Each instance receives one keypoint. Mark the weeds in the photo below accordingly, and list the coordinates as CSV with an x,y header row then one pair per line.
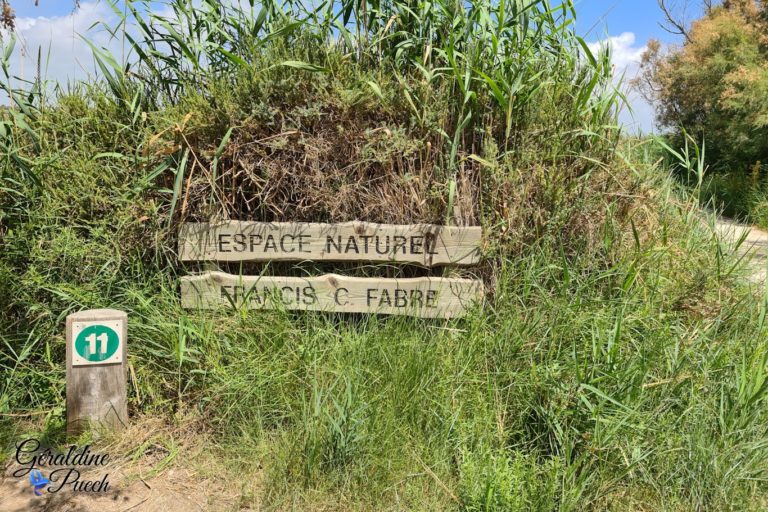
x,y
616,366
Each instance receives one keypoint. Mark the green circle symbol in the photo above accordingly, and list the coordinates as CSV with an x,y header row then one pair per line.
x,y
97,343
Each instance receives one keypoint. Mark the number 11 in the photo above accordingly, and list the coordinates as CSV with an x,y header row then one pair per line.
x,y
92,339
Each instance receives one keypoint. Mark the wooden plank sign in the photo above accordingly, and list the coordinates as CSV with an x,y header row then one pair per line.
x,y
428,297
424,244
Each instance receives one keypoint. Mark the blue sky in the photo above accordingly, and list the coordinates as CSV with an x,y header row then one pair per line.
x,y
626,25
613,17
638,16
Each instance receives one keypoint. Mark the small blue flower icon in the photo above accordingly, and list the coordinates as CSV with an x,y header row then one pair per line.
x,y
38,481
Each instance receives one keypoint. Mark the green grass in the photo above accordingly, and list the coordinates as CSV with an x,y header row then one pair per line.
x,y
619,363
739,195
641,384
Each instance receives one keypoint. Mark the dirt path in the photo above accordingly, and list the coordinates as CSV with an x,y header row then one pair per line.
x,y
754,246
174,490
144,475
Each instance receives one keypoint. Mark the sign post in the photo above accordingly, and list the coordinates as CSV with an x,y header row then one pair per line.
x,y
96,370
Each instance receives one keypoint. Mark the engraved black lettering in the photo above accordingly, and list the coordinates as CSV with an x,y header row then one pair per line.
x,y
239,239
329,241
223,242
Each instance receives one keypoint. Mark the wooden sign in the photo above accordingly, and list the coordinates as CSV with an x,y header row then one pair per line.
x,y
96,370
429,297
425,244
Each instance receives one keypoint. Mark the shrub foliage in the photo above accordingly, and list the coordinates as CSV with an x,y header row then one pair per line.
x,y
618,365
716,85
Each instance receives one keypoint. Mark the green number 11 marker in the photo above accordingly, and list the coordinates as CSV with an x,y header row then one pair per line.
x,y
97,343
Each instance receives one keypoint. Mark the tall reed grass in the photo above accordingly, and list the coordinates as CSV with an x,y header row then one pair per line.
x,y
620,363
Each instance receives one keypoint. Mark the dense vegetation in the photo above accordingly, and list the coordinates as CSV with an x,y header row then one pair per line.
x,y
618,363
715,88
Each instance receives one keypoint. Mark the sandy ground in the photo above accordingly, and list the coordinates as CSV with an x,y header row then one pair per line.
x,y
171,491
754,246
144,475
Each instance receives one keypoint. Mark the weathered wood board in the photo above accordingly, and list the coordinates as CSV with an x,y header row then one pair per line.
x,y
428,297
96,379
424,244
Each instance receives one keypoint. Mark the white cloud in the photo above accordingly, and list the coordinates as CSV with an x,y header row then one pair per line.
x,y
625,56
624,53
64,56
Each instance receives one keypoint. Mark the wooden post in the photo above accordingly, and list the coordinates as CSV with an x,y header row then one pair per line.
x,y
96,370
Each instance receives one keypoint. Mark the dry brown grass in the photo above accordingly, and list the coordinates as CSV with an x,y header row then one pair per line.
x,y
323,164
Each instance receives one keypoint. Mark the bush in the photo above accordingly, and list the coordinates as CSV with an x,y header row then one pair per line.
x,y
738,195
715,85
509,482
618,363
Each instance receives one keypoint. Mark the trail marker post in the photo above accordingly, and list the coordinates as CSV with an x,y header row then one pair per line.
x,y
96,370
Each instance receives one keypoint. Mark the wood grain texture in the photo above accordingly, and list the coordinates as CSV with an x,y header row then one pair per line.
x,y
428,297
423,244
96,395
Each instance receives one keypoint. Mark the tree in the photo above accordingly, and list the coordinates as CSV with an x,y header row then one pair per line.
x,y
716,84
